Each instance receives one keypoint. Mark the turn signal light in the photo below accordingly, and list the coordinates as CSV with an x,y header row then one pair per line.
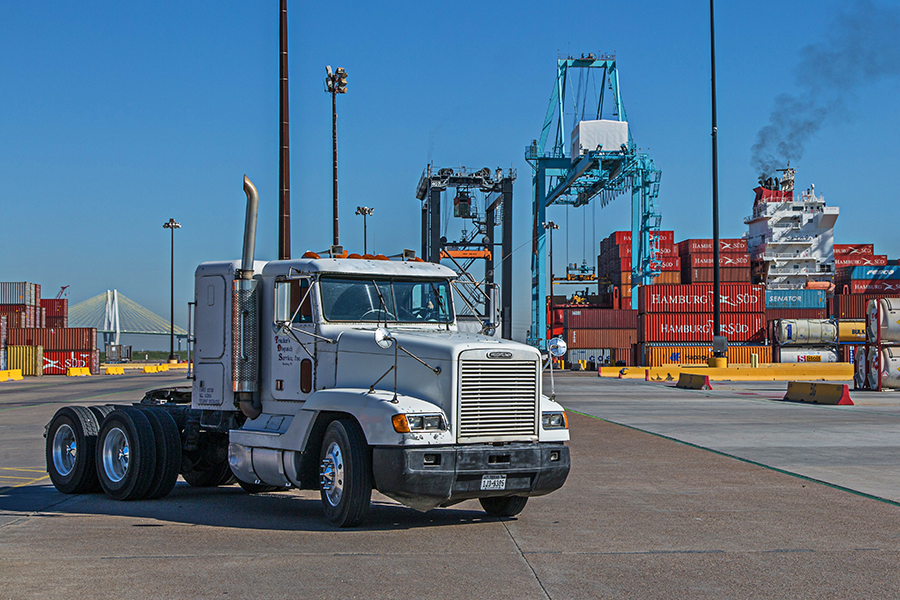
x,y
401,425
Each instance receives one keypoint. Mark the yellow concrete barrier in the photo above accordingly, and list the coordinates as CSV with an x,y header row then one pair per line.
x,y
693,381
819,393
151,369
11,375
162,368
115,370
78,372
183,365
765,372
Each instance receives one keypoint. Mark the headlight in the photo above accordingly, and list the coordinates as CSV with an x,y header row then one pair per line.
x,y
408,423
554,420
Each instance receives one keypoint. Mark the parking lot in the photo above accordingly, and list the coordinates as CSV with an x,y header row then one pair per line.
x,y
672,494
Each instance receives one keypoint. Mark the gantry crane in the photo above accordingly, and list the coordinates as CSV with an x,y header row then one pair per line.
x,y
605,172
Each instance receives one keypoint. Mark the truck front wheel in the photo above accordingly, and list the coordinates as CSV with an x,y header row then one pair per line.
x,y
509,506
345,474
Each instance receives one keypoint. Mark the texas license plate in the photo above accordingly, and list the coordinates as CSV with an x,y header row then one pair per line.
x,y
493,482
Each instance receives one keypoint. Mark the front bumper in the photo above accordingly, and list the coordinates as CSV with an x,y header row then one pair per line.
x,y
430,476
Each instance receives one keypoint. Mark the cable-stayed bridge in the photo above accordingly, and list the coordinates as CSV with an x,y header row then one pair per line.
x,y
113,314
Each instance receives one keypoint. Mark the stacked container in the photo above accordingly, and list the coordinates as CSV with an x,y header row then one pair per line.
x,y
62,347
878,362
857,255
57,312
3,328
866,280
698,261
614,263
600,336
679,320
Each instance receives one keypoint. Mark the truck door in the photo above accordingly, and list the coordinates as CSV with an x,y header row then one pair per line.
x,y
292,365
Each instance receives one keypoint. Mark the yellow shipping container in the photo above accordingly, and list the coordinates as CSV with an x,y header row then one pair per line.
x,y
28,358
851,331
657,356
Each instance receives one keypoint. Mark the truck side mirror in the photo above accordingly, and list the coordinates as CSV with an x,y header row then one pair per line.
x,y
383,338
557,347
282,303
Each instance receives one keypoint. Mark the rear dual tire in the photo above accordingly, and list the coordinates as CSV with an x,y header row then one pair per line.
x,y
126,454
71,445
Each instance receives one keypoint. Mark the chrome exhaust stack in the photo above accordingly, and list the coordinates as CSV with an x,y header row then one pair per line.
x,y
245,317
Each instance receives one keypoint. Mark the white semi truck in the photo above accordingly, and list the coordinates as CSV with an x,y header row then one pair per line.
x,y
338,374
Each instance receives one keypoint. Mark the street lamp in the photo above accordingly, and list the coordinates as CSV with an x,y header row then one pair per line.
x,y
550,226
365,211
335,83
173,358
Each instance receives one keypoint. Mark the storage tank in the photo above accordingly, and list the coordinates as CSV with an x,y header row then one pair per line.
x,y
873,366
890,368
860,371
805,332
851,332
883,313
808,354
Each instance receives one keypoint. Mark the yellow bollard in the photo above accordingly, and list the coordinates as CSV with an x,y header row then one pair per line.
x,y
754,361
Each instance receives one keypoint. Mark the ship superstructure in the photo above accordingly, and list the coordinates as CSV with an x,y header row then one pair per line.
x,y
791,239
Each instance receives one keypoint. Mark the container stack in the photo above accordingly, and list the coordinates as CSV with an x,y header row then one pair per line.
x,y
675,323
883,279
35,336
614,263
857,255
698,261
600,336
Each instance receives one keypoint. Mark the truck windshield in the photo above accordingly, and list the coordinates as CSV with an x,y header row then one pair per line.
x,y
386,299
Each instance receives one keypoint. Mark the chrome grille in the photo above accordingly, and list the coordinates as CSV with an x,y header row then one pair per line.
x,y
497,399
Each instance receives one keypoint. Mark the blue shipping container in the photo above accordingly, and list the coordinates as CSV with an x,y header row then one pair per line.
x,y
795,299
875,273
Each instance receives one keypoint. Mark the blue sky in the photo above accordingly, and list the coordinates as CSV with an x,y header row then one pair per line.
x,y
118,116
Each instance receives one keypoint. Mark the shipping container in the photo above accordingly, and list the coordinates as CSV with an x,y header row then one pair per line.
x,y
598,356
600,338
623,265
774,314
697,298
624,278
698,327
618,252
3,364
600,318
656,356
72,338
619,238
707,261
28,294
857,260
701,246
731,275
28,358
58,362
4,324
854,249
789,299
622,357
886,273
56,307
882,286
55,322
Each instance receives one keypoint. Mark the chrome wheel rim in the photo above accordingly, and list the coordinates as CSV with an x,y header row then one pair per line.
x,y
65,450
116,455
331,474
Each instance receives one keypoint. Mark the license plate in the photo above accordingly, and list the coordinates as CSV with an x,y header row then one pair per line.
x,y
493,482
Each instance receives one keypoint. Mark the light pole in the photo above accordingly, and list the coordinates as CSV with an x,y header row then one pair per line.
x,y
335,83
550,226
365,211
172,225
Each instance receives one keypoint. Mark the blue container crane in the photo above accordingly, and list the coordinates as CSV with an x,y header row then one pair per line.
x,y
594,172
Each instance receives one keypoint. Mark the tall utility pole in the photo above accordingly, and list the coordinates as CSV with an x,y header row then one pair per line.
x,y
284,157
172,225
366,212
335,83
718,342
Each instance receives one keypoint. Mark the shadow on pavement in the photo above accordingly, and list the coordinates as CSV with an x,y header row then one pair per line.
x,y
227,506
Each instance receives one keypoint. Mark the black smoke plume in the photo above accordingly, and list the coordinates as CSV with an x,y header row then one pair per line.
x,y
861,47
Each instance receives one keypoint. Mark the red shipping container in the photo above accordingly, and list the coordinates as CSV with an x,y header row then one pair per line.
x,y
600,318
56,322
707,261
57,362
738,275
852,307
732,245
77,338
619,238
854,249
859,260
773,314
56,307
624,251
600,338
880,286
20,315
625,355
734,297
698,327
623,265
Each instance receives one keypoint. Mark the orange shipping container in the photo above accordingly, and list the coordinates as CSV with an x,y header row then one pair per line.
x,y
601,338
656,356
